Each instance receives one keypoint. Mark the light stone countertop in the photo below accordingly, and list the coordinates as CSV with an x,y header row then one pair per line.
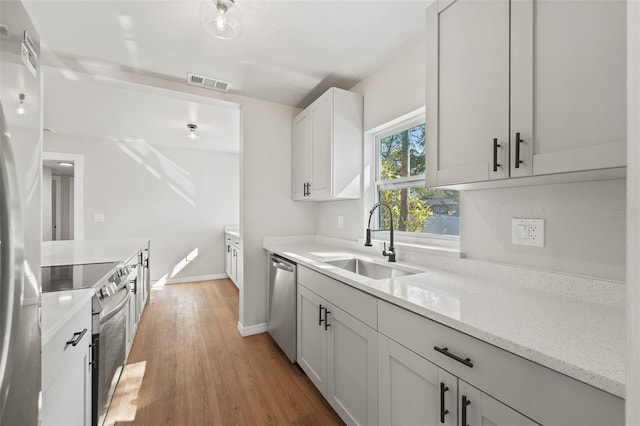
x,y
76,252
59,307
581,339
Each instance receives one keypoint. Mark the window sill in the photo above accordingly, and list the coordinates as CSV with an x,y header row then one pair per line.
x,y
444,245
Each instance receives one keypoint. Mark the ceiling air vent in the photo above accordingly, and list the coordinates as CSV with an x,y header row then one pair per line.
x,y
208,82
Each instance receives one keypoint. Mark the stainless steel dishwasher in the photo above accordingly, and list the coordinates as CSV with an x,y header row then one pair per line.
x,y
282,304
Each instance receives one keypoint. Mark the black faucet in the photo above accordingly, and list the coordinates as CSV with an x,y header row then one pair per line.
x,y
391,253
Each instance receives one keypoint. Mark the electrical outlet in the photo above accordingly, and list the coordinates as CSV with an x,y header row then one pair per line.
x,y
98,217
340,222
527,232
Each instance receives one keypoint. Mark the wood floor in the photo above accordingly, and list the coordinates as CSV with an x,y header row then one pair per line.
x,y
189,366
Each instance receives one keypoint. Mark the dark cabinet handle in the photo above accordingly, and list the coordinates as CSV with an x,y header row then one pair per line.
x,y
443,411
518,142
320,314
496,145
308,188
77,337
326,322
465,403
445,351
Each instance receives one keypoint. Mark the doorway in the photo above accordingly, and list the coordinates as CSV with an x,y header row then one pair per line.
x,y
62,196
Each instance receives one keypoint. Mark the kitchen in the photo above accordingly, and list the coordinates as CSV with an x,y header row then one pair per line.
x,y
265,207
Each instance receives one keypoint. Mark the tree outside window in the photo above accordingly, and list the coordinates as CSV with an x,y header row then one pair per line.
x,y
401,185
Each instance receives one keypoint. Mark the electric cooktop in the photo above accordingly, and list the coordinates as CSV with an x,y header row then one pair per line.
x,y
71,277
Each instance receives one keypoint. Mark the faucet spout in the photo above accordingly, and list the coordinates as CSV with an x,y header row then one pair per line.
x,y
391,253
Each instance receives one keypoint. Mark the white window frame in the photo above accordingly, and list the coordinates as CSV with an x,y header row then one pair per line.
x,y
407,121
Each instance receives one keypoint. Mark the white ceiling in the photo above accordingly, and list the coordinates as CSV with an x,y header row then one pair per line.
x,y
289,51
109,110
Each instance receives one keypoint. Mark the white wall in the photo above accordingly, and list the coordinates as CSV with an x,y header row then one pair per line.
x,y
582,238
180,198
47,226
266,205
633,216
584,227
394,90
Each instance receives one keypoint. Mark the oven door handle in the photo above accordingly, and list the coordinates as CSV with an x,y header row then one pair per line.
x,y
111,313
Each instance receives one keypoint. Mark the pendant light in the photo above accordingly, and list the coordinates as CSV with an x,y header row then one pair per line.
x,y
220,18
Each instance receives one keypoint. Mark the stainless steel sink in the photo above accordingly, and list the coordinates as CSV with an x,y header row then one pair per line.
x,y
372,270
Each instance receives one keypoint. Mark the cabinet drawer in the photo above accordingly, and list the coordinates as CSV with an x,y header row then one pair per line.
x,y
544,395
349,299
57,353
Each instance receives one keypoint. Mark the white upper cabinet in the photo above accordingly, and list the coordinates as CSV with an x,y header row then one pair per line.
x,y
327,148
525,88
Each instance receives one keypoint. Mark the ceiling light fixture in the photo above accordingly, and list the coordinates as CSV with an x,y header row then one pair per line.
x,y
220,18
192,131
21,109
65,164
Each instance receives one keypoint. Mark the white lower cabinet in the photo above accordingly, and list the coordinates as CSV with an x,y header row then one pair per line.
x,y
378,363
66,373
233,264
414,391
339,354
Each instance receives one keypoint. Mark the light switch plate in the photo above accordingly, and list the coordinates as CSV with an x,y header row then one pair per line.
x,y
98,217
527,232
340,222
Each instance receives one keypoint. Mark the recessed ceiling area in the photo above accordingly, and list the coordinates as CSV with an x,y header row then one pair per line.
x,y
116,111
289,52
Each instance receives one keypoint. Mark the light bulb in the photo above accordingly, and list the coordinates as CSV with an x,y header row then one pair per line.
x,y
221,22
21,109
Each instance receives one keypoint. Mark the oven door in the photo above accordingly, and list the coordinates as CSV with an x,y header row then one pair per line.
x,y
112,349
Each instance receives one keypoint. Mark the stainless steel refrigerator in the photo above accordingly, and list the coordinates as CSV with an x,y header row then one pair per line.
x,y
20,210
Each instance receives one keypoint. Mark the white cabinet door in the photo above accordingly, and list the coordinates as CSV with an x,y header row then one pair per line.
x,y
312,342
301,155
227,263
568,75
412,390
352,364
327,148
478,408
66,373
320,113
234,265
467,99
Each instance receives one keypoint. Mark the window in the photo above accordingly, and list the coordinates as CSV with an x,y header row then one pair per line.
x,y
400,184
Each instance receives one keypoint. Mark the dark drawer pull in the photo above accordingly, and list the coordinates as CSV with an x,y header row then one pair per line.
x,y
326,321
77,337
443,410
518,142
320,320
445,351
465,403
496,145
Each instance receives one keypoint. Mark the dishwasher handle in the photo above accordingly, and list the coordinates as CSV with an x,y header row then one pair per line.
x,y
279,264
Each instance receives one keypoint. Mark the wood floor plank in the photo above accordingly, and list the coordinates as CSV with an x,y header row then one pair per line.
x,y
199,371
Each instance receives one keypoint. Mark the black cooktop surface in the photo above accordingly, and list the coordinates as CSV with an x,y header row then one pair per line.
x,y
70,277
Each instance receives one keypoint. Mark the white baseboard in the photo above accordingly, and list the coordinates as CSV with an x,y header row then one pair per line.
x,y
196,278
252,329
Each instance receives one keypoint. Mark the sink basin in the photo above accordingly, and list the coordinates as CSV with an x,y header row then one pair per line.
x,y
371,270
